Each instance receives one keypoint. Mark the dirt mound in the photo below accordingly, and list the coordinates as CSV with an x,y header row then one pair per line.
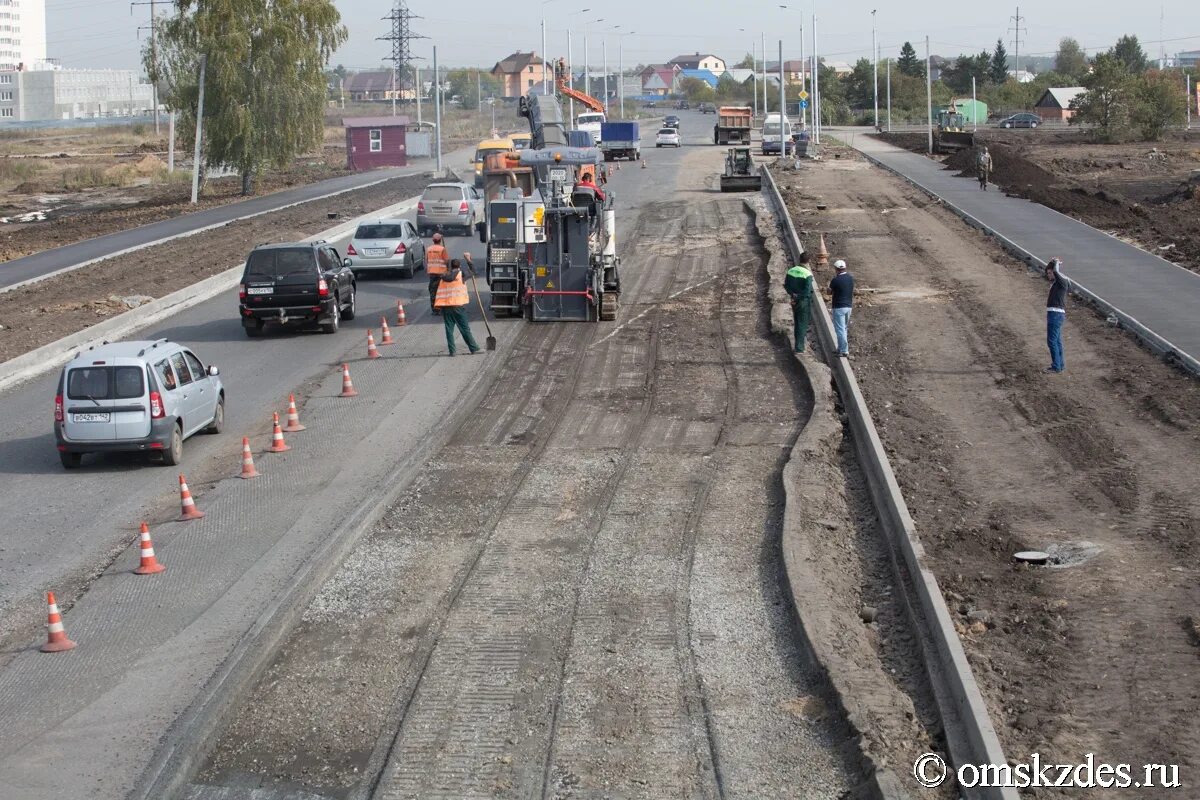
x,y
150,165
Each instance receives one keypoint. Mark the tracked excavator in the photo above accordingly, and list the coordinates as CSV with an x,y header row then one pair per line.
x,y
551,243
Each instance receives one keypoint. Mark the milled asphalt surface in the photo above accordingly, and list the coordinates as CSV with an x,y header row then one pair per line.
x,y
48,261
1160,295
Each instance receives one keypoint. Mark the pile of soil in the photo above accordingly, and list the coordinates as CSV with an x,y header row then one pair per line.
x,y
1143,206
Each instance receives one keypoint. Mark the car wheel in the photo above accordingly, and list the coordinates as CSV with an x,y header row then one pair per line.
x,y
218,422
70,460
335,319
352,306
658,145
254,331
410,268
1006,125
1033,124
173,454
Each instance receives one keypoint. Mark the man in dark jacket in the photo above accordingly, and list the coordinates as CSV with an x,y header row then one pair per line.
x,y
798,284
1056,313
841,290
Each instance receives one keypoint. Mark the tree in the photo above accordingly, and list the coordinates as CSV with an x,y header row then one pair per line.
x,y
998,69
1130,53
858,85
1070,59
958,76
729,89
466,83
265,85
1159,103
908,63
747,62
696,90
1105,104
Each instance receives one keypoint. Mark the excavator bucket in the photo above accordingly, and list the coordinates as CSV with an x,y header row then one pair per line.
x,y
740,174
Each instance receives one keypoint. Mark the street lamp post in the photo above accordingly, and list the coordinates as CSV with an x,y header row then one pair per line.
x,y
571,66
875,68
803,79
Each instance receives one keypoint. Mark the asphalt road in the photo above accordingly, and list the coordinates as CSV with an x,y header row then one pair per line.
x,y
49,261
71,532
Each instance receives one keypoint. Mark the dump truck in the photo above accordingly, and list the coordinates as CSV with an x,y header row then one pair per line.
x,y
740,174
733,125
620,140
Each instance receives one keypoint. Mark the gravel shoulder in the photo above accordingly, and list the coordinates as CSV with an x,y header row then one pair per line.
x,y
42,312
1097,653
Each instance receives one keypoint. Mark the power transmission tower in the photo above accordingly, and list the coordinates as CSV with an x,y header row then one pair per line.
x,y
1016,30
401,38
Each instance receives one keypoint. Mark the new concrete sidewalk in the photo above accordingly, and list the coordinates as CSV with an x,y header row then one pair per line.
x,y
1146,291
47,262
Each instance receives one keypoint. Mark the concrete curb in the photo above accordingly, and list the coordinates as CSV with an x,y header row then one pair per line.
x,y
821,432
1157,344
35,362
190,738
970,735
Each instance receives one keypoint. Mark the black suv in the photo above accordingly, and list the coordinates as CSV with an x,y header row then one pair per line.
x,y
299,283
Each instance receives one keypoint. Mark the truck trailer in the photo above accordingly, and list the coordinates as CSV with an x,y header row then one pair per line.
x,y
620,140
733,125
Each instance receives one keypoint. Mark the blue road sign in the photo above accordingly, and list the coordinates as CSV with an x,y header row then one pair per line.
x,y
804,104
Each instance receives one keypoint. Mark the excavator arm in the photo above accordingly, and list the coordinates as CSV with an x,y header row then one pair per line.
x,y
560,80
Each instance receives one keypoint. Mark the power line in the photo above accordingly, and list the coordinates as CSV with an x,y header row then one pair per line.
x,y
1016,30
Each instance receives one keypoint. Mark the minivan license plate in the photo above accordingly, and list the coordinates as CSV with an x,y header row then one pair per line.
x,y
90,417
260,290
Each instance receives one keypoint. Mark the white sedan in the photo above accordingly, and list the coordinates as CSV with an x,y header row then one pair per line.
x,y
668,136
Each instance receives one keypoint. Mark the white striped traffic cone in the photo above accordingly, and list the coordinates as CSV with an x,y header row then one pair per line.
x,y
56,636
293,417
400,318
248,470
347,386
188,505
372,350
278,445
386,336
149,564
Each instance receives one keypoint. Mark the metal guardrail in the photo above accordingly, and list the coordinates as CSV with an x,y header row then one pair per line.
x,y
970,736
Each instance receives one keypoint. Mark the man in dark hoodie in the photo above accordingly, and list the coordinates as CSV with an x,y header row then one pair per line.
x,y
1056,313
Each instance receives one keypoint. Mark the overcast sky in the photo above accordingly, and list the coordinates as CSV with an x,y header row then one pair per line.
x,y
103,33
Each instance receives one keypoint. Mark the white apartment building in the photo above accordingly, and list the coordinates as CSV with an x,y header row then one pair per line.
x,y
51,94
22,33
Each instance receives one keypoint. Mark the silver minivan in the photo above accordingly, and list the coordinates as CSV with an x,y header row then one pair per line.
x,y
135,396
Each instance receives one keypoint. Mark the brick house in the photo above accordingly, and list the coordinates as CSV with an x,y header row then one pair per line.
x,y
521,72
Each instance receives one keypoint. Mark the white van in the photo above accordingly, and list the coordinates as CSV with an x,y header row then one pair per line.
x,y
590,122
771,139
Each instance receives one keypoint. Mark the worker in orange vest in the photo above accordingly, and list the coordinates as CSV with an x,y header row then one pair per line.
x,y
452,299
436,259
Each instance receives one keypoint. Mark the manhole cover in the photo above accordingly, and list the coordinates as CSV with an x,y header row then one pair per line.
x,y
1032,556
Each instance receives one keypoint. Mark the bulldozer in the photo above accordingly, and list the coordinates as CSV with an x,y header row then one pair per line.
x,y
952,134
740,175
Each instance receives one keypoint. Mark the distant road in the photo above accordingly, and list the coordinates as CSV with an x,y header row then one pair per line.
x,y
49,261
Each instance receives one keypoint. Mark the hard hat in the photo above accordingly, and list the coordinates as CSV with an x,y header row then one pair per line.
x,y
839,264
437,238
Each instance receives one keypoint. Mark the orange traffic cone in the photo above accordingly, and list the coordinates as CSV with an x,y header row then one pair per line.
x,y
278,445
822,253
248,470
400,320
149,564
56,637
386,338
293,417
347,386
372,350
185,499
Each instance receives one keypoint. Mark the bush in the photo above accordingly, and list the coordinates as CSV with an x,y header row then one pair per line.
x,y
1159,103
17,170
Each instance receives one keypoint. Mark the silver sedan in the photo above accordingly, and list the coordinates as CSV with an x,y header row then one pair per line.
x,y
386,244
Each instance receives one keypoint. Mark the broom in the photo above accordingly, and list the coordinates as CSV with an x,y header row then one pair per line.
x,y
491,340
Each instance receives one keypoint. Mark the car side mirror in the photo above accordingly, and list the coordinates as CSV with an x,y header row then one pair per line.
x,y
213,371
348,262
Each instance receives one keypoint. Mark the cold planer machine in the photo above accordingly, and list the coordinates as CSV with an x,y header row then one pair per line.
x,y
552,250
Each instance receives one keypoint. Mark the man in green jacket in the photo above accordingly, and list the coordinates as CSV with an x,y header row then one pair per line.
x,y
798,284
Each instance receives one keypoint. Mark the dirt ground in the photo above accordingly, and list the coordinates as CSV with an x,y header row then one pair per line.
x,y
1097,653
1146,193
59,306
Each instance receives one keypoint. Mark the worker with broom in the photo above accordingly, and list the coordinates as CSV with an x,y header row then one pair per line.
x,y
452,299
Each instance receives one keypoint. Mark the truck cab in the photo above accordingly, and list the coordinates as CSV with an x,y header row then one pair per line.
x,y
591,122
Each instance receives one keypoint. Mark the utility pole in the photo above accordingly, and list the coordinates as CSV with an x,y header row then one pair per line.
x,y
974,115
420,89
437,108
153,56
1016,30
754,67
889,93
604,51
621,75
401,37
171,142
816,98
479,92
783,124
928,96
875,68
570,82
1187,92
545,88
199,133
764,73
